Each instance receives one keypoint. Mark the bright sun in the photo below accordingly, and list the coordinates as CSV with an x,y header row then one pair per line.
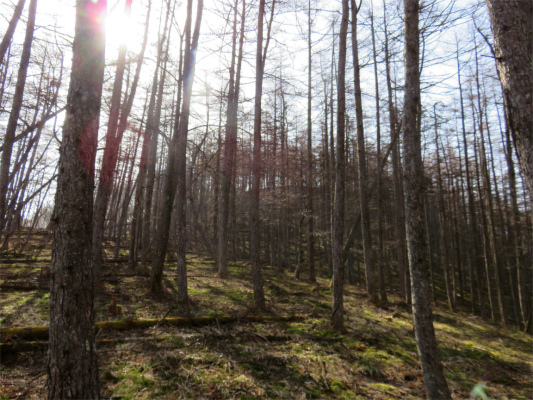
x,y
118,26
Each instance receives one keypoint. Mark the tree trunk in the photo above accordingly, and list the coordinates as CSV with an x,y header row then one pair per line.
x,y
115,131
399,214
513,41
310,173
443,243
257,278
379,193
436,386
152,131
363,175
230,145
9,137
337,317
175,178
109,160
72,363
8,36
476,266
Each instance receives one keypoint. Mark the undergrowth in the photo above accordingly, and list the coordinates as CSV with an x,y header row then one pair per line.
x,y
375,359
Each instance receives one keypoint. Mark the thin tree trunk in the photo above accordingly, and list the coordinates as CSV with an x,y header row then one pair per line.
x,y
476,266
443,244
363,175
135,230
337,317
175,178
436,386
516,235
310,172
484,224
12,122
399,214
8,36
115,131
257,278
126,201
152,131
230,145
379,193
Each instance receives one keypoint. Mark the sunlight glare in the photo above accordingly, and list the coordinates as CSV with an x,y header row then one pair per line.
x,y
119,26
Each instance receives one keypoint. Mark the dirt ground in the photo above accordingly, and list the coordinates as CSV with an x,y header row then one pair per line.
x,y
375,359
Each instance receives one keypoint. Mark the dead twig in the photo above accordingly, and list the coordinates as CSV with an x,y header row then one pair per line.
x,y
164,317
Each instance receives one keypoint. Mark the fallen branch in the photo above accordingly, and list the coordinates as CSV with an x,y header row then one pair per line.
x,y
41,332
21,346
11,261
23,287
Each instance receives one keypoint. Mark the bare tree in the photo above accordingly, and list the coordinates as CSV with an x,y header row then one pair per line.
x,y
337,317
436,386
513,42
175,178
9,137
72,363
310,172
110,156
361,162
257,278
230,144
8,36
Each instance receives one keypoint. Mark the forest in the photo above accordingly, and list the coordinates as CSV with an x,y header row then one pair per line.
x,y
279,199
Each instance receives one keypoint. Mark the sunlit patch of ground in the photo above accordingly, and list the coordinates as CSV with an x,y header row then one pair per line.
x,y
376,358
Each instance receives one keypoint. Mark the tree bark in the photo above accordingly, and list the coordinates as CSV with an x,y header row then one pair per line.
x,y
72,363
399,215
257,278
379,194
436,386
337,316
310,172
363,175
513,42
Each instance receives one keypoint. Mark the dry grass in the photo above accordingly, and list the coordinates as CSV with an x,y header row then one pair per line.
x,y
376,359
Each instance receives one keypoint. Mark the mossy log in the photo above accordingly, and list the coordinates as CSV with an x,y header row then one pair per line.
x,y
13,260
41,332
22,346
22,287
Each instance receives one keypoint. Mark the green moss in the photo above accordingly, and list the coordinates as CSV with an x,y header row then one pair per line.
x,y
337,386
328,333
296,328
383,387
312,393
351,342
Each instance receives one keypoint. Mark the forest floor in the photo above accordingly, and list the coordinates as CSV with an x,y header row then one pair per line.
x,y
375,359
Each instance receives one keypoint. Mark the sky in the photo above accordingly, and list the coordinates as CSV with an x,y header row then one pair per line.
x,y
56,18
